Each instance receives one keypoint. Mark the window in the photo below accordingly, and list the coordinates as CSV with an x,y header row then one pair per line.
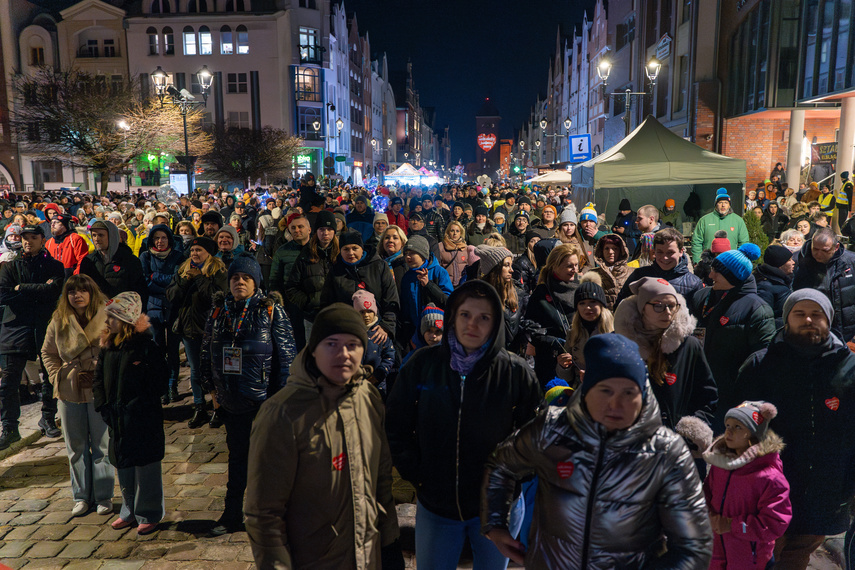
x,y
90,49
168,41
160,7
205,41
310,51
236,83
687,11
307,84
310,4
115,84
109,47
47,171
239,119
683,87
625,33
305,117
227,47
189,41
197,6
235,6
242,40
843,34
37,56
152,41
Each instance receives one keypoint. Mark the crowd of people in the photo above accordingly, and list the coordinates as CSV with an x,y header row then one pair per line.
x,y
557,390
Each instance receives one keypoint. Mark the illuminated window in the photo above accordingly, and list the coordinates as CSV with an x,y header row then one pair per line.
x,y
189,41
227,46
152,41
205,41
242,40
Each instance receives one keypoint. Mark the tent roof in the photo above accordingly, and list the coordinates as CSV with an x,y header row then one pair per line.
x,y
552,177
654,156
405,169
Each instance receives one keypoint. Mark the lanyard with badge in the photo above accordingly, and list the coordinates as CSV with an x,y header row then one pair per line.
x,y
232,355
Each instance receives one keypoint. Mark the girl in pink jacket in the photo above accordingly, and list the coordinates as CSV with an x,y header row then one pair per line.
x,y
747,494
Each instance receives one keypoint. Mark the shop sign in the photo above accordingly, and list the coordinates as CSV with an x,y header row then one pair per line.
x,y
823,153
663,48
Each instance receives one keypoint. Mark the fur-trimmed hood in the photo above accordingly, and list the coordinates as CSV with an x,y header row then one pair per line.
x,y
628,322
720,456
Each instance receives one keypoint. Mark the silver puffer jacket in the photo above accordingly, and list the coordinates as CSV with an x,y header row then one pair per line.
x,y
604,501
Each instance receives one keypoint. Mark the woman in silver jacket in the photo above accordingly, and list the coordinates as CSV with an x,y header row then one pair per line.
x,y
616,488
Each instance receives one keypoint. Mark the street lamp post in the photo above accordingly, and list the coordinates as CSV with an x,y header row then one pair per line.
x,y
652,70
339,125
556,135
185,101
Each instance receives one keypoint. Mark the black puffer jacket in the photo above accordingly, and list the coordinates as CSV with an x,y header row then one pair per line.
x,y
515,239
551,309
304,284
122,273
371,274
191,298
773,286
434,224
442,427
127,387
683,280
525,273
266,343
27,311
517,327
836,280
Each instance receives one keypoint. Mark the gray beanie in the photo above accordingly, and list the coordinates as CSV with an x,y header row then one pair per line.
x,y
568,214
755,416
232,232
491,256
809,295
418,244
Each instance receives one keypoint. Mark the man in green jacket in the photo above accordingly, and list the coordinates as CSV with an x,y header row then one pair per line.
x,y
721,218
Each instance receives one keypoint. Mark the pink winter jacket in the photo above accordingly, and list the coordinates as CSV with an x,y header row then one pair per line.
x,y
752,491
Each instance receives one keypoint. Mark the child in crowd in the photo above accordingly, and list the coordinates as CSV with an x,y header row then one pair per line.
x,y
380,356
747,494
430,330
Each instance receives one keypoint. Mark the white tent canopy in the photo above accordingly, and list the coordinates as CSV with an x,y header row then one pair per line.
x,y
552,177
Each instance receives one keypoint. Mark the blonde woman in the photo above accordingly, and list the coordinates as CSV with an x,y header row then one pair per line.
x,y
391,250
69,353
453,252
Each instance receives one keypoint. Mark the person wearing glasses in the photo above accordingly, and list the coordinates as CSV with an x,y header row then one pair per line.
x,y
656,318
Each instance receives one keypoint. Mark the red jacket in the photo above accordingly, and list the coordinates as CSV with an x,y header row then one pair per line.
x,y
752,491
398,220
69,249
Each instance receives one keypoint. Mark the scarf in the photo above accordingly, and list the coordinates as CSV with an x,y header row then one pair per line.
x,y
357,262
461,362
389,260
160,253
564,291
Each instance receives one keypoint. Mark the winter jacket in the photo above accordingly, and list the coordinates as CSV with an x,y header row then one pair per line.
x,y
708,225
476,236
397,220
158,273
517,327
612,277
27,310
703,267
442,427
69,249
371,274
231,255
551,308
129,381
283,262
515,239
683,280
673,219
604,500
813,389
773,286
414,297
454,261
773,225
434,224
69,350
121,271
303,286
525,273
752,491
319,492
688,387
384,362
191,297
266,343
362,223
735,327
836,280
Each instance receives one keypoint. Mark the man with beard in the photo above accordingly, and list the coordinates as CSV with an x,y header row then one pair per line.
x,y
211,224
721,218
809,374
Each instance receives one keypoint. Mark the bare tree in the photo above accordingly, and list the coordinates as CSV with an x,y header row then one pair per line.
x,y
84,122
244,155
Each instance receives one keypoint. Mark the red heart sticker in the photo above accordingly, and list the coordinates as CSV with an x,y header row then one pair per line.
x,y
361,285
662,282
116,268
339,461
724,321
833,403
438,323
732,229
565,469
366,304
670,378
756,417
549,298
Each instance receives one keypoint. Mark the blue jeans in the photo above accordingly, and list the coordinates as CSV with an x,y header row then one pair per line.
x,y
142,493
193,350
439,541
86,443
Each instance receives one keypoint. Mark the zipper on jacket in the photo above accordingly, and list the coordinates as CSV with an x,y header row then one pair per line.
x,y
721,509
457,458
753,552
589,509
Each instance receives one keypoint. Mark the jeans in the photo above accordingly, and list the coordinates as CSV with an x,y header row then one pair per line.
x,y
170,342
439,541
142,493
10,395
238,429
86,442
193,350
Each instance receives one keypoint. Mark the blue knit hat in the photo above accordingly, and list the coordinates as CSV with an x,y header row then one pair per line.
x,y
588,214
432,316
721,194
735,267
613,356
248,265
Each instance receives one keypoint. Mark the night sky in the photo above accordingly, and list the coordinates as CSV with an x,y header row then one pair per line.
x,y
465,50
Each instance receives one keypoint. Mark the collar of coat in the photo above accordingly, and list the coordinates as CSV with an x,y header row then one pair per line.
x,y
628,322
719,455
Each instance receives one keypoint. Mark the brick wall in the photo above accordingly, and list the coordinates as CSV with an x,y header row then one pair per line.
x,y
763,142
706,96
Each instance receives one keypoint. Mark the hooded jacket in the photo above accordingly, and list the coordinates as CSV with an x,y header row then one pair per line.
x,y
159,272
708,225
688,388
442,427
371,274
303,286
117,271
362,223
683,280
604,500
773,286
414,297
836,279
69,350
475,236
813,389
69,249
752,491
319,492
735,327
613,277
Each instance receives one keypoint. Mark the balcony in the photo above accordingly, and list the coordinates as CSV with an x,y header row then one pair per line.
x,y
311,54
94,52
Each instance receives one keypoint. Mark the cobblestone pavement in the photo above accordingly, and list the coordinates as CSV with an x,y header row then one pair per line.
x,y
38,531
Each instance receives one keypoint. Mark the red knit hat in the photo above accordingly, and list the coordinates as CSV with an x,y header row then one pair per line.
x,y
720,244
